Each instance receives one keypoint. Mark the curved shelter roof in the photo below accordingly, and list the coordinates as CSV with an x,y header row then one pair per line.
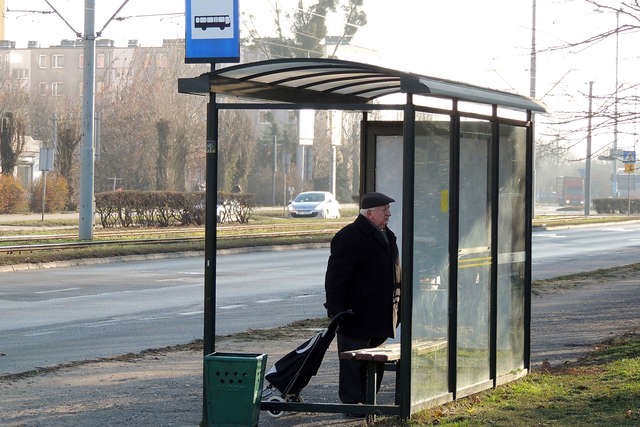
x,y
334,81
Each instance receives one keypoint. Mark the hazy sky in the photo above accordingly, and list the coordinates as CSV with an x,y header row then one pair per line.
x,y
481,42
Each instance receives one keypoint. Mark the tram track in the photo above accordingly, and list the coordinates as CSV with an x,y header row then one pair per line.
x,y
25,244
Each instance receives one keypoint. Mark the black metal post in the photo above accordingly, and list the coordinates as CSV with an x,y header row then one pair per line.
x,y
528,213
494,179
210,235
454,218
408,179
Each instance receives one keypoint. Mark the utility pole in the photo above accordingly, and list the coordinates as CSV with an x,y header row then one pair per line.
x,y
87,157
275,170
587,168
532,68
615,113
87,206
532,94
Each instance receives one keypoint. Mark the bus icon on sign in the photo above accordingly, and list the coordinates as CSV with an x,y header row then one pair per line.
x,y
211,21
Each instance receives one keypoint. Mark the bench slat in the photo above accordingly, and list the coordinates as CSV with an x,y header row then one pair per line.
x,y
391,352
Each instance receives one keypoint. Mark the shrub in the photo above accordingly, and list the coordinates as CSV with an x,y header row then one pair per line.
x,y
12,196
148,208
236,207
616,206
56,194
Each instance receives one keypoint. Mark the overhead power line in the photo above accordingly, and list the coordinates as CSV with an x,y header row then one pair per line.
x,y
44,12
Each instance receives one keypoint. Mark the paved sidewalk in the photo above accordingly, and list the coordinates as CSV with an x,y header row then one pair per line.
x,y
164,388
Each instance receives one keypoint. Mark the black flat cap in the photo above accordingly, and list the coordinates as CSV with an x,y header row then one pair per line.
x,y
373,199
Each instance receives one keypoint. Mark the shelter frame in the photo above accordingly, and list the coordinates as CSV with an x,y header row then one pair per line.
x,y
249,85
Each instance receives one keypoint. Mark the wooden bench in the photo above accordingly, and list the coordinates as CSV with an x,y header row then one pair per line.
x,y
388,354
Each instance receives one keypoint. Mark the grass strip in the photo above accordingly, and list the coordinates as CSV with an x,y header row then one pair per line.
x,y
601,389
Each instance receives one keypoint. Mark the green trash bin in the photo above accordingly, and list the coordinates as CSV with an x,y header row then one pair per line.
x,y
233,383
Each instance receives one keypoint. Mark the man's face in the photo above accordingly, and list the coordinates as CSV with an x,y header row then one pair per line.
x,y
380,215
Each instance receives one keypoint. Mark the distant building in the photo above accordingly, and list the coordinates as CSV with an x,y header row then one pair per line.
x,y
28,165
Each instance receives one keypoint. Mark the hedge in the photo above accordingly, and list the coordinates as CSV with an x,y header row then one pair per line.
x,y
166,209
616,206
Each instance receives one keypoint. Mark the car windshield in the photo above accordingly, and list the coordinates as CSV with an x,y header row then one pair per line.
x,y
309,197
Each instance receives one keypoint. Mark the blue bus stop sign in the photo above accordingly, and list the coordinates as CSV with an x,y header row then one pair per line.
x,y
212,31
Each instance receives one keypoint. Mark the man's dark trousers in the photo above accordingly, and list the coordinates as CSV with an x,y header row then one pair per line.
x,y
353,374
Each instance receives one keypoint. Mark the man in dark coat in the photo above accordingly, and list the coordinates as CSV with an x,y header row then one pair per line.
x,y
363,275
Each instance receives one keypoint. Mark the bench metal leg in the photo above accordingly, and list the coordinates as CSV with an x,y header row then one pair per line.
x,y
372,378
371,386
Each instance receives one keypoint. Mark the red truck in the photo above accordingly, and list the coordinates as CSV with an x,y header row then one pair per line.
x,y
570,190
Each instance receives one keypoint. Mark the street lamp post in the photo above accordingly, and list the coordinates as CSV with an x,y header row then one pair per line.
x,y
587,169
615,111
275,170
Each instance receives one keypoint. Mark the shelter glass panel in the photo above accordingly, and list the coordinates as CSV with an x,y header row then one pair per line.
x,y
511,249
429,357
474,254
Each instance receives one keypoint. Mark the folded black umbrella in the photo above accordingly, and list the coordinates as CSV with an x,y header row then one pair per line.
x,y
294,370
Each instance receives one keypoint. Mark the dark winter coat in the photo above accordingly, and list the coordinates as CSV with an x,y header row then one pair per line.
x,y
363,274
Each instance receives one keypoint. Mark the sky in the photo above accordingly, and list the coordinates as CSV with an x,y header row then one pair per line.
x,y
487,43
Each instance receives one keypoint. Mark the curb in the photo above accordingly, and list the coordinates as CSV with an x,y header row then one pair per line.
x,y
166,255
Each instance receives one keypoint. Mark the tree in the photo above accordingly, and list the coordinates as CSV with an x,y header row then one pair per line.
x,y
69,136
130,113
237,149
11,142
309,35
618,107
162,126
354,18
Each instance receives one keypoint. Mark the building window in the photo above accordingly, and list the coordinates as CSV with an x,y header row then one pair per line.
x,y
43,61
293,116
24,173
162,61
265,117
57,89
20,74
43,88
100,60
99,87
57,61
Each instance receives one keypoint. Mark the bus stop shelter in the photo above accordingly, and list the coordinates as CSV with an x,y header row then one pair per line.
x,y
459,163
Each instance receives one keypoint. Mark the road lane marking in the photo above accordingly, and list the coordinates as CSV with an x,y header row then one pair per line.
x,y
266,301
229,307
191,313
37,334
56,291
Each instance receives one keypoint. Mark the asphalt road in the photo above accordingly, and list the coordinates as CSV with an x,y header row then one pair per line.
x,y
85,312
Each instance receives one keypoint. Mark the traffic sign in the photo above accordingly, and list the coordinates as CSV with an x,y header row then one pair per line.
x,y
629,156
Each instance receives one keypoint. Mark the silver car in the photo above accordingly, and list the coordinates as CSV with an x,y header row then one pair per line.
x,y
314,204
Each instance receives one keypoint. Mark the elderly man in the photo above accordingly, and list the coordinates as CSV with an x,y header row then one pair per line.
x,y
363,275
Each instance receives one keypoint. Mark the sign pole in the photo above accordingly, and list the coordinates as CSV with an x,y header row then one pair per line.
x,y
44,191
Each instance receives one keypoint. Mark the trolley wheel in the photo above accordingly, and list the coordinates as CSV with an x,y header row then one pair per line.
x,y
294,398
274,398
